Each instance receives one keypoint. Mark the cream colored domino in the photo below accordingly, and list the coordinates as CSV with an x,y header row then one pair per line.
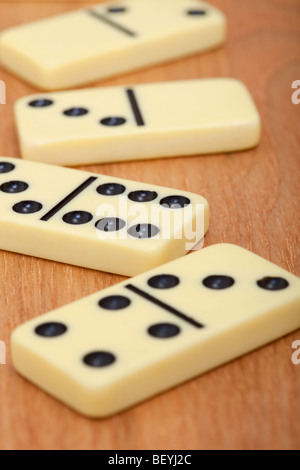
x,y
108,39
95,221
137,122
182,319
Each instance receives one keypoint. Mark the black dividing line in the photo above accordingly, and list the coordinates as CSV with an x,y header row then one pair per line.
x,y
166,307
68,198
108,21
135,107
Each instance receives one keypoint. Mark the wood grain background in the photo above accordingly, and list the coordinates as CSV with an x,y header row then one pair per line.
x,y
253,402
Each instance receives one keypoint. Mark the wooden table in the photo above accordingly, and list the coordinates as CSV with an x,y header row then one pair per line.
x,y
253,402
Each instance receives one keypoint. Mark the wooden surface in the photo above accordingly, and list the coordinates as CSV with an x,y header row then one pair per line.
x,y
253,402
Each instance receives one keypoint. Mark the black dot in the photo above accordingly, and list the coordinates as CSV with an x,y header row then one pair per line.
x,y
14,187
111,189
143,231
114,302
273,283
117,9
175,202
75,112
218,282
41,103
27,207
142,196
163,281
110,224
6,167
99,359
164,330
77,218
113,121
51,329
196,12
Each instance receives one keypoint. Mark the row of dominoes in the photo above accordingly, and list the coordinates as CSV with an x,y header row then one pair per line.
x,y
184,317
